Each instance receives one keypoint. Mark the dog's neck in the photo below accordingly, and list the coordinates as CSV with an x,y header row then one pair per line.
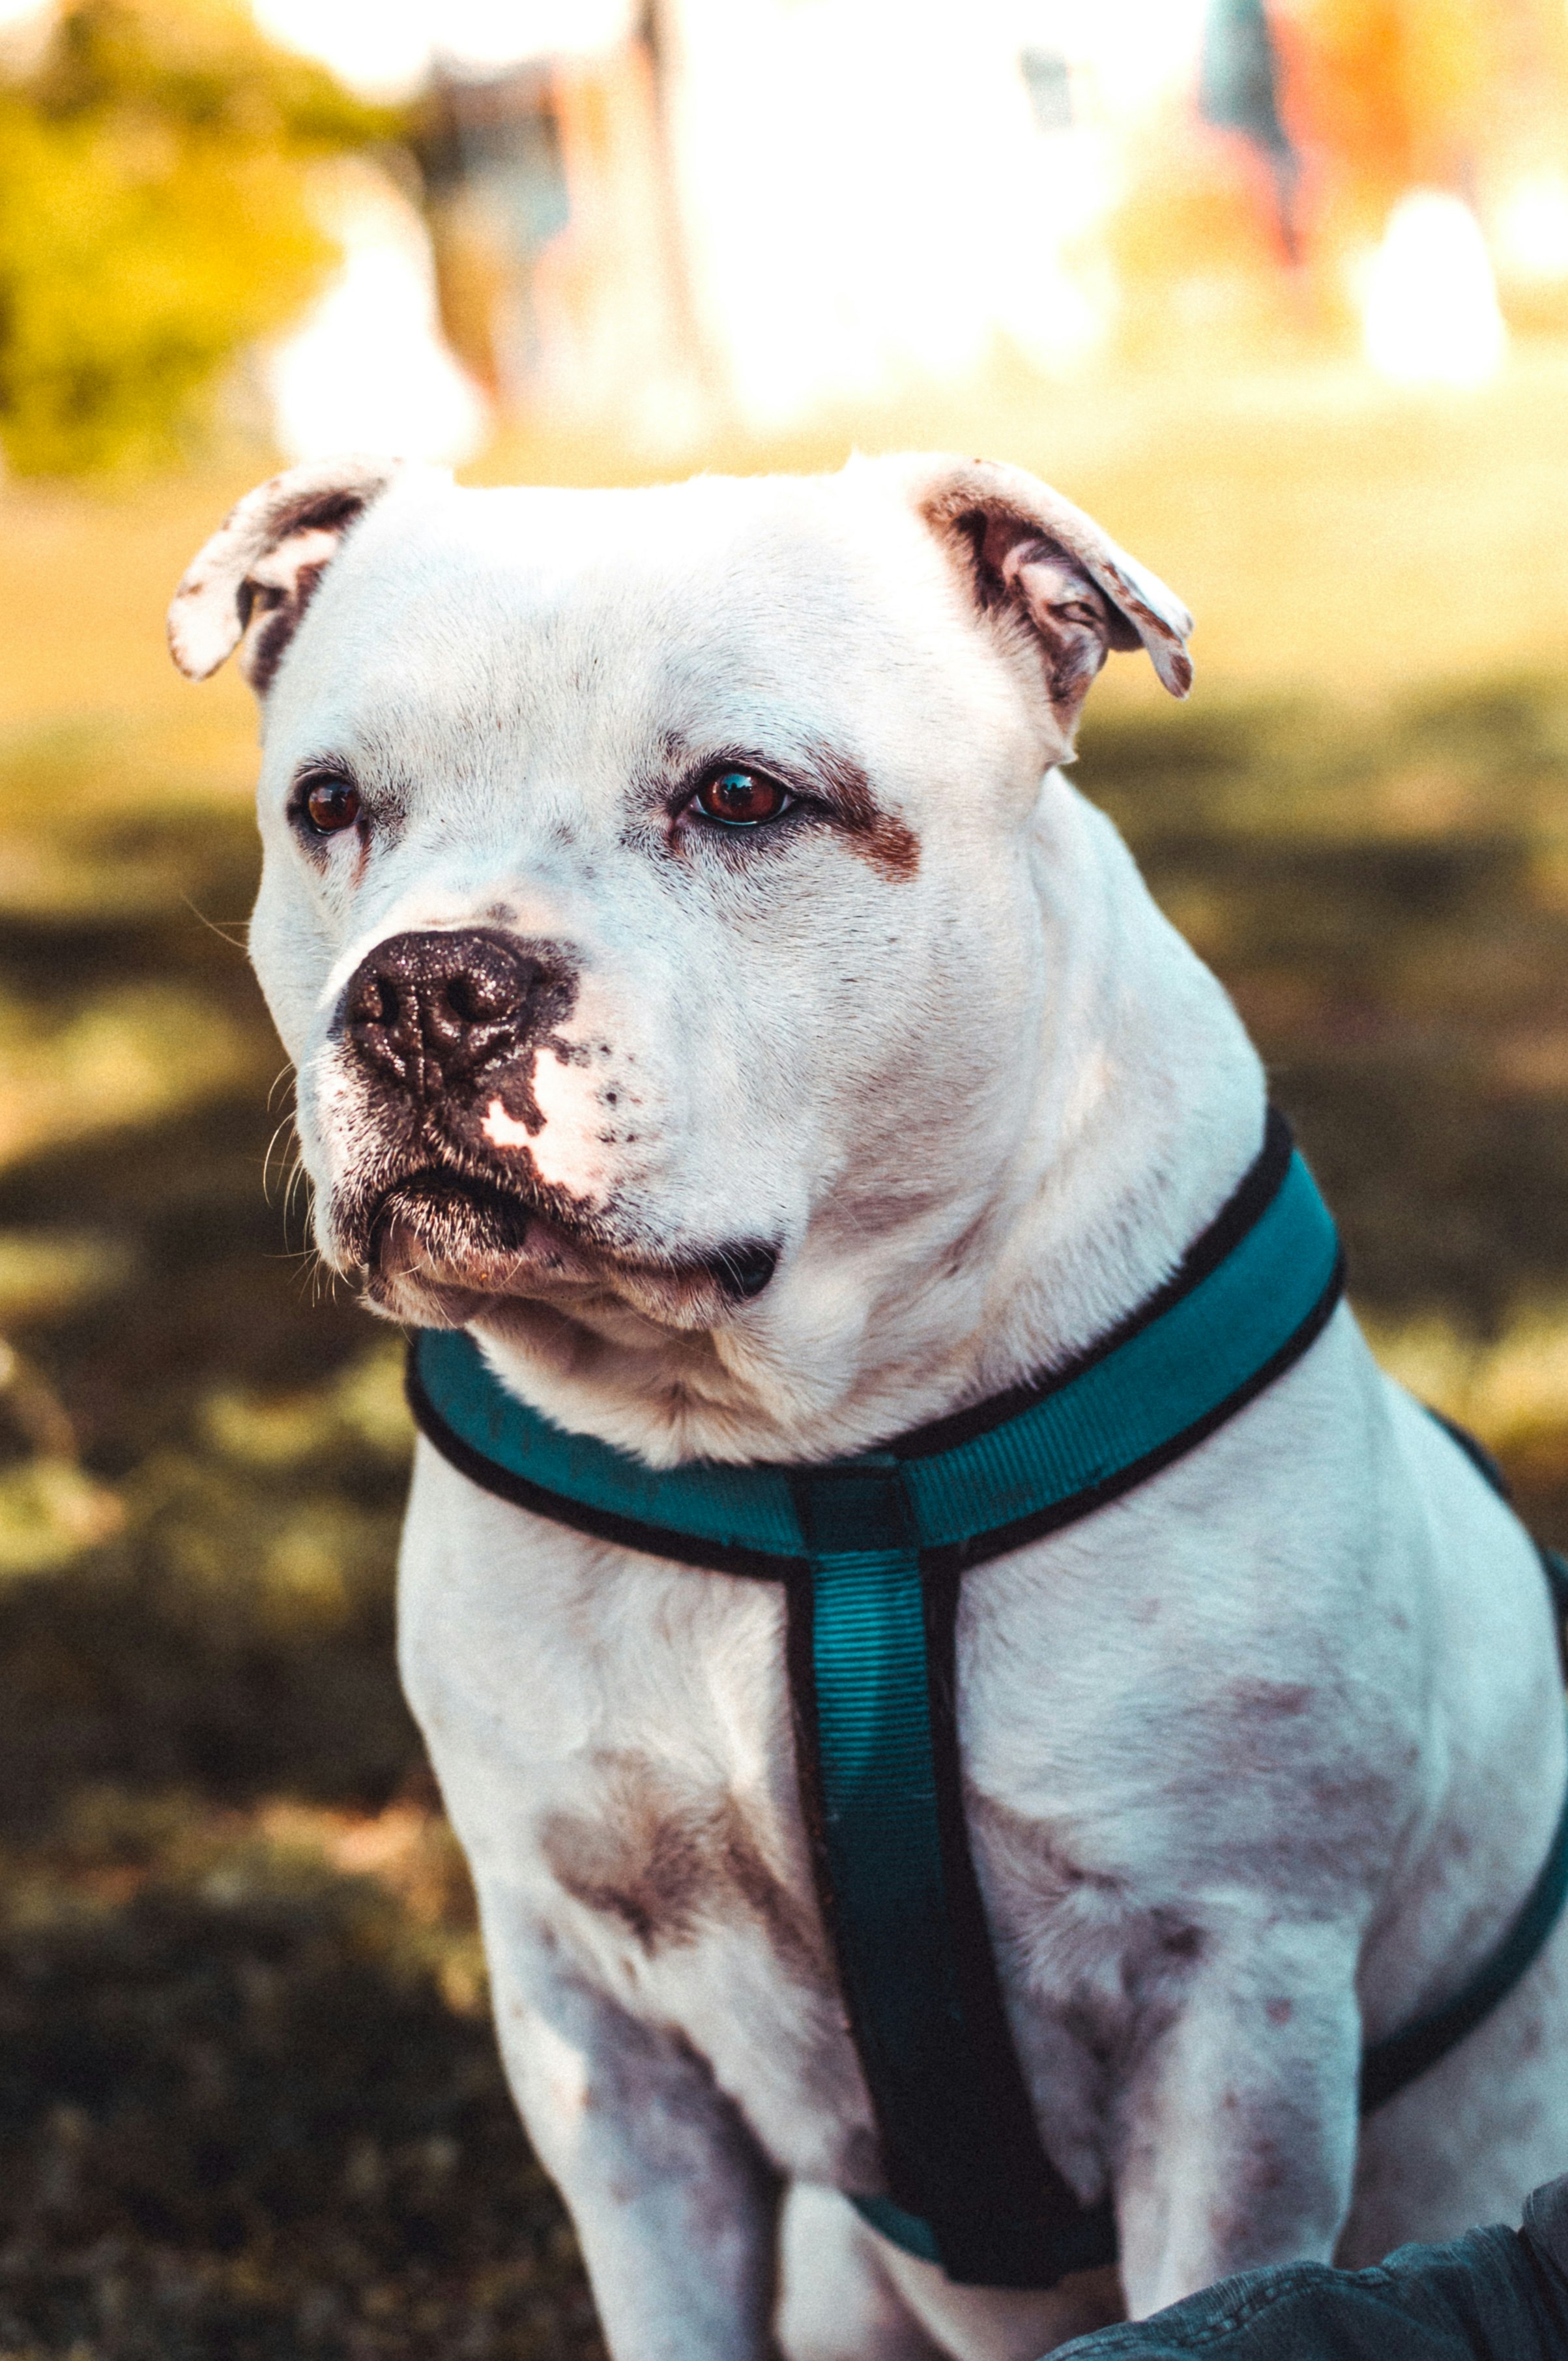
x,y
1142,1107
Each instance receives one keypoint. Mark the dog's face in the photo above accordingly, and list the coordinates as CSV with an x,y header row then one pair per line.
x,y
645,904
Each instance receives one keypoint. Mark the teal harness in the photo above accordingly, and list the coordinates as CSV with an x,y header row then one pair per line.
x,y
872,1551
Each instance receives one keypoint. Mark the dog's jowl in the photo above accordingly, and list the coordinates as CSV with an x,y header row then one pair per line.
x,y
716,1011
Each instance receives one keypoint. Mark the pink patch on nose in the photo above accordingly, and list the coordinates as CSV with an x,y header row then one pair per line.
x,y
503,1130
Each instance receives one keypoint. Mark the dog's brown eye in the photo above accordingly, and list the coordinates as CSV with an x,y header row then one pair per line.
x,y
331,803
743,799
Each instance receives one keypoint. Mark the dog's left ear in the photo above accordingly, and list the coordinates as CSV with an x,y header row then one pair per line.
x,y
249,587
1057,591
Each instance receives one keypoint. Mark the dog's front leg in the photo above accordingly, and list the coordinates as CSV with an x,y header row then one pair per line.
x,y
1239,2128
674,2206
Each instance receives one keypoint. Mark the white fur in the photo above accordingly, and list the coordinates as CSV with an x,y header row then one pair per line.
x,y
1264,1753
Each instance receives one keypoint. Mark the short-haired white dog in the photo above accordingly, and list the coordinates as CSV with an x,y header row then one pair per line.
x,y
706,987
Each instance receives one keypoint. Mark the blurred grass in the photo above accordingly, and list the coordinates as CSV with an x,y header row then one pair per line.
x,y
249,2103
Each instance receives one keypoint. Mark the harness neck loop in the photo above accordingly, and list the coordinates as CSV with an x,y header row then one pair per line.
x,y
1247,1299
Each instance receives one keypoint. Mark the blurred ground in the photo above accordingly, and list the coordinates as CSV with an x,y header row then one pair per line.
x,y
249,2105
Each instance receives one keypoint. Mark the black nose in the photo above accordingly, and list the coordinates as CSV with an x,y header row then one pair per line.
x,y
430,1012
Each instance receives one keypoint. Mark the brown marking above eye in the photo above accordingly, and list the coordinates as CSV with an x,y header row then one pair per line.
x,y
892,847
822,780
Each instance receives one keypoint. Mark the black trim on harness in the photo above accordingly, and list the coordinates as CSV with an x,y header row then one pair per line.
x,y
718,1557
1247,1202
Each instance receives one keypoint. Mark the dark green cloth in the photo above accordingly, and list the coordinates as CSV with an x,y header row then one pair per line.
x,y
1493,2295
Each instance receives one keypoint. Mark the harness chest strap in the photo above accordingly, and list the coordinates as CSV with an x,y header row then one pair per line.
x,y
872,1551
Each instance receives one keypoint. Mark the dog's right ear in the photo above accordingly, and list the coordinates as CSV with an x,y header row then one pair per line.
x,y
1054,589
250,586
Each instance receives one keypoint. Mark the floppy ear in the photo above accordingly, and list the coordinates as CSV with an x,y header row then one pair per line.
x,y
1056,589
250,586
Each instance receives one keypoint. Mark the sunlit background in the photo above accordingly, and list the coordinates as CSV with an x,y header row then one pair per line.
x,y
1280,292
691,218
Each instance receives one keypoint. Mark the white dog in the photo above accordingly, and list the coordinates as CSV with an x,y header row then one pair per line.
x,y
848,1077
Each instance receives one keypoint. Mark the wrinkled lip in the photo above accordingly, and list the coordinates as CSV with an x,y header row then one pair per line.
x,y
467,1243
448,1216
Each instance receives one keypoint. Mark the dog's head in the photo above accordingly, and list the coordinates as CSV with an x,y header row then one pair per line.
x,y
647,901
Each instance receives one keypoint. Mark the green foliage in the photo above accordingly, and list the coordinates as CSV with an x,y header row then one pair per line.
x,y
154,219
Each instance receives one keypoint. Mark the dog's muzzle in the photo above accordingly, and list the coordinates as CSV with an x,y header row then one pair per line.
x,y
442,1026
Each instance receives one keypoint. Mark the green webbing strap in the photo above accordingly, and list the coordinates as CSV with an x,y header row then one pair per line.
x,y
871,1550
877,1747
972,2188
862,1707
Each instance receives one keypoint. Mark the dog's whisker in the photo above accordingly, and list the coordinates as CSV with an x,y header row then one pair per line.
x,y
278,1133
239,941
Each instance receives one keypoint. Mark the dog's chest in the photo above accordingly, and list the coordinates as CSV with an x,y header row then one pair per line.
x,y
1159,1734
614,1737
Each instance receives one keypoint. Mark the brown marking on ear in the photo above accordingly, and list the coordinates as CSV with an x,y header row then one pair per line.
x,y
892,847
1177,668
1057,614
668,1864
253,580
1000,541
264,646
982,509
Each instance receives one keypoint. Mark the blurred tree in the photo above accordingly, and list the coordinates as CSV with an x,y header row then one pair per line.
x,y
155,217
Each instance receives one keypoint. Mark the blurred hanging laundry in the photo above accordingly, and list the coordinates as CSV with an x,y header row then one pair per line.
x,y
368,368
661,219
1429,299
389,48
565,276
753,211
1238,90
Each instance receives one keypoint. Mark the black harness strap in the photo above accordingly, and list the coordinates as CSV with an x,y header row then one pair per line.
x,y
1392,2065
